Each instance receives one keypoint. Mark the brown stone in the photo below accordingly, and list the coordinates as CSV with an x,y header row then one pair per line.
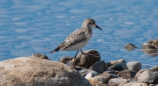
x,y
113,63
155,68
38,56
127,74
99,66
31,72
146,76
107,76
87,59
117,81
136,66
65,60
130,46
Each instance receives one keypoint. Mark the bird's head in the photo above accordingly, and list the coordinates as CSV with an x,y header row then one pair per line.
x,y
90,23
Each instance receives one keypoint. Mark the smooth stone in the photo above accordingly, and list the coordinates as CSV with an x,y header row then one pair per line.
x,y
39,56
100,79
89,75
147,45
103,85
117,81
25,71
135,84
65,60
130,46
99,66
150,47
156,81
113,63
146,76
120,66
154,43
84,72
136,66
139,84
127,74
128,84
121,84
93,81
87,59
107,75
155,68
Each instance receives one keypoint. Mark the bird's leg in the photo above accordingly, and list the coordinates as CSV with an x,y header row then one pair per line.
x,y
82,51
76,53
75,59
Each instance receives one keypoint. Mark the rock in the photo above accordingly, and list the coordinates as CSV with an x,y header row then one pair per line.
x,y
146,76
102,85
113,63
121,84
155,81
105,77
127,74
154,43
99,66
117,81
84,72
139,84
151,85
31,72
130,46
128,84
136,66
39,56
151,47
135,84
148,46
120,66
89,75
155,68
93,81
87,59
100,79
65,60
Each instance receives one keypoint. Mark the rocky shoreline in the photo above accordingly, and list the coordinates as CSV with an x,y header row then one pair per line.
x,y
38,70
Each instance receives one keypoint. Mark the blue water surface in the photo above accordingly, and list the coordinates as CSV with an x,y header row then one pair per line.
x,y
38,26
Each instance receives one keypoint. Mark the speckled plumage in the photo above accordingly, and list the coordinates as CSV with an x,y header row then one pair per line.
x,y
79,38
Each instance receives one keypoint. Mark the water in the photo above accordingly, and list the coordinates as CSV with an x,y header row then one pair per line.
x,y
38,26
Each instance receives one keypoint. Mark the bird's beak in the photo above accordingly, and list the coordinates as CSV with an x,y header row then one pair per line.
x,y
98,27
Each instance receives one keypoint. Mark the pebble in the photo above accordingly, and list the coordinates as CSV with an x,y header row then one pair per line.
x,y
65,60
136,66
117,81
84,72
99,66
87,59
146,76
130,46
39,56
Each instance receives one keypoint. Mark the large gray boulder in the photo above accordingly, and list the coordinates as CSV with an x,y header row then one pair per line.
x,y
38,72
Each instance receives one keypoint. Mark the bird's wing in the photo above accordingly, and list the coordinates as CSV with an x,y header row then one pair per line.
x,y
77,36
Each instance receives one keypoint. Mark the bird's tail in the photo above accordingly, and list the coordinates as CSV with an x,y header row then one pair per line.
x,y
53,51
58,48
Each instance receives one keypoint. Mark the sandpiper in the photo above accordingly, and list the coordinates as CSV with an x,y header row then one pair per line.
x,y
79,38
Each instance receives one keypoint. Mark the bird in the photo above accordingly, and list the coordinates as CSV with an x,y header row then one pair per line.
x,y
78,38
